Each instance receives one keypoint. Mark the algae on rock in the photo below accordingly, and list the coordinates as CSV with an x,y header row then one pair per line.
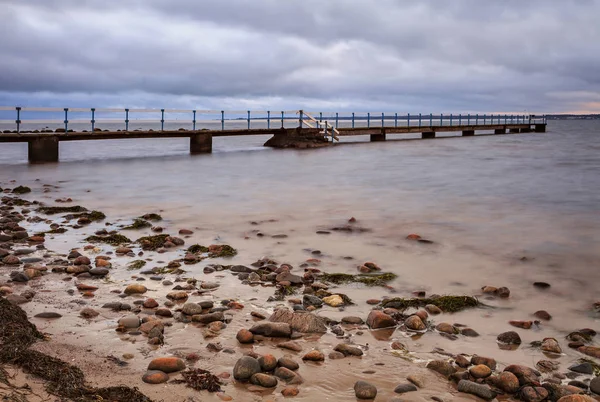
x,y
152,242
448,304
366,279
114,239
138,224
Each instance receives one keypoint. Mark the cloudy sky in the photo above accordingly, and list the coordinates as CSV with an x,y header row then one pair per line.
x,y
385,55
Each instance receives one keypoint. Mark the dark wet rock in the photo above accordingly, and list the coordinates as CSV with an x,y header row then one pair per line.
x,y
533,394
551,345
414,323
99,271
377,319
155,377
11,260
481,390
507,382
208,318
272,329
583,368
288,363
240,268
352,320
288,375
442,366
488,361
314,356
462,361
364,390
578,384
19,277
310,300
299,321
469,332
595,385
191,309
525,374
244,336
167,364
348,350
480,371
543,315
509,338
590,351
48,315
267,362
404,388
245,368
541,285
264,380
446,328
291,345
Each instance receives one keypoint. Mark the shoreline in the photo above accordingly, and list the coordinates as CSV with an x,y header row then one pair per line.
x,y
377,346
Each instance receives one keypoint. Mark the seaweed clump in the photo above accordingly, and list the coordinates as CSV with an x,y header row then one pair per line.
x,y
138,224
449,304
92,216
52,231
21,190
136,264
114,239
152,217
61,210
368,280
224,250
152,242
197,248
200,380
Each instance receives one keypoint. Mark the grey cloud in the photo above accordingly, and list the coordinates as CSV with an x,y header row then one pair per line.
x,y
464,55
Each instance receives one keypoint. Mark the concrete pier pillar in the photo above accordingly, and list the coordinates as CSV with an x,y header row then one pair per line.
x,y
201,143
500,131
428,134
540,128
377,137
514,130
468,133
526,130
43,149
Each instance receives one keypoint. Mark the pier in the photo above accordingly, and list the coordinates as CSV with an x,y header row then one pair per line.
x,y
296,128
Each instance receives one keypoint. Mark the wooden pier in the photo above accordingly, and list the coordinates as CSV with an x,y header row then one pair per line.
x,y
309,131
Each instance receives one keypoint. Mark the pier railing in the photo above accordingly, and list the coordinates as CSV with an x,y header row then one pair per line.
x,y
40,119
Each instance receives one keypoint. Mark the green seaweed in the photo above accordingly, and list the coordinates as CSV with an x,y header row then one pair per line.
x,y
61,210
167,270
366,279
138,224
449,304
321,293
224,251
152,217
594,364
135,265
196,248
113,239
152,242
92,216
52,231
21,190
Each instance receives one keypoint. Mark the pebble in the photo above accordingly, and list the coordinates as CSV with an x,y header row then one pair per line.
x,y
245,368
334,300
583,368
595,385
290,391
130,321
509,338
135,288
48,315
155,377
533,394
488,361
267,362
348,350
336,355
264,380
541,285
244,336
446,328
462,361
291,345
378,319
314,356
310,300
480,390
525,374
208,318
191,309
480,371
167,364
551,345
507,382
543,315
288,375
364,390
288,363
414,323
442,366
469,332
272,329
88,313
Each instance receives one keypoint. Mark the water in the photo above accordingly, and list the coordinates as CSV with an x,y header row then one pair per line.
x,y
486,203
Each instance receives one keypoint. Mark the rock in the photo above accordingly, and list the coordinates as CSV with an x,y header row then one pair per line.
x,y
462,361
123,250
163,312
348,350
507,382
590,351
267,362
543,315
352,320
287,276
446,328
314,356
414,323
551,345
150,303
480,390
178,295
576,398
155,377
503,292
533,394
336,355
208,318
480,371
185,232
244,336
595,385
525,375
288,363
541,285
82,260
167,364
290,391
416,380
442,366
469,332
291,345
364,390
245,368
288,375
48,315
98,271
130,321
378,319
521,324
11,260
334,300
272,329
509,338
191,309
135,288
264,380
310,300
19,277
488,361
583,368
299,321
88,313
16,299
403,388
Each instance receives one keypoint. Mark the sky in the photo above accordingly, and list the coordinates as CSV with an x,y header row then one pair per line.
x,y
458,56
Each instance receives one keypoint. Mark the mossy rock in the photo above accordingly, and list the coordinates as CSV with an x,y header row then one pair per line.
x,y
448,304
197,248
52,231
223,251
151,217
135,265
21,190
152,242
167,270
138,224
92,216
17,202
594,364
366,279
61,210
323,293
113,239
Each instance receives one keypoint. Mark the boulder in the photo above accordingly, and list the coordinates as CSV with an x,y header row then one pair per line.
x,y
167,364
442,366
264,380
245,368
299,321
525,374
364,390
378,319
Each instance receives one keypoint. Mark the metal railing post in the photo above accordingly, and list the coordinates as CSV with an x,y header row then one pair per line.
x,y
441,119
93,121
484,119
477,119
222,120
248,120
18,121
66,119
336,119
468,119
126,119
396,120
282,114
194,121
369,120
382,119
300,112
268,119
505,119
450,119
320,120
408,120
352,119
162,119
419,119
460,119
430,119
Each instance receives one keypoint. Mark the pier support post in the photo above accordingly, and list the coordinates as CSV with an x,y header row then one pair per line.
x,y
43,149
428,134
526,130
378,137
500,131
540,128
514,130
201,143
468,133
